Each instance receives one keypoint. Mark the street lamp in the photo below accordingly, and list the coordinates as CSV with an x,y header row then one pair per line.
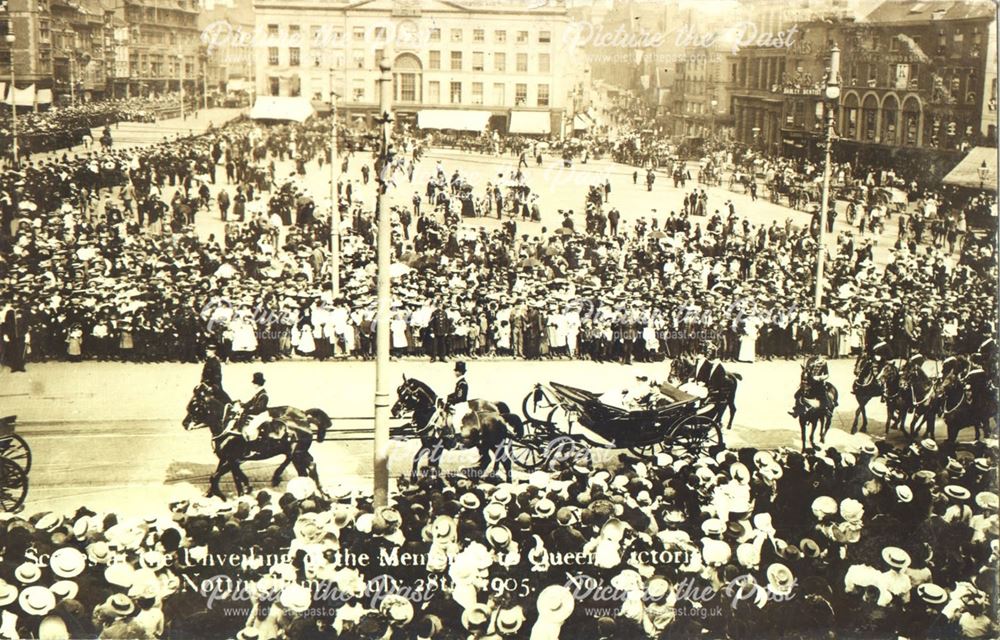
x,y
180,71
13,97
715,104
334,195
984,173
832,95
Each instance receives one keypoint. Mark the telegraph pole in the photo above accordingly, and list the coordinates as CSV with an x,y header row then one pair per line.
x,y
832,95
13,94
334,197
381,471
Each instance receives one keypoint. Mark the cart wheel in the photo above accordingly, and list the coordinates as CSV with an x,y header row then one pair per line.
x,y
649,451
13,486
16,449
564,451
694,435
526,454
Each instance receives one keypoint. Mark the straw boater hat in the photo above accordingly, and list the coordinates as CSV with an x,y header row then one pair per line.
x,y
36,601
509,621
555,603
896,558
67,562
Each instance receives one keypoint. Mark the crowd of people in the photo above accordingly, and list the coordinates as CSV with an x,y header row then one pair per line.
x,y
69,126
740,544
93,281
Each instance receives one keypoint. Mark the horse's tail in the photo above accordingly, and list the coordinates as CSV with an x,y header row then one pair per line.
x,y
322,421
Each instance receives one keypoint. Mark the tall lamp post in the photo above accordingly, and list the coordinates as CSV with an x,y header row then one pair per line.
x,y
381,470
832,95
180,72
984,173
13,97
334,196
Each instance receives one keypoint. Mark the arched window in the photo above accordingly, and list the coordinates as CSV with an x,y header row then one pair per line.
x,y
849,126
407,78
911,121
869,118
890,115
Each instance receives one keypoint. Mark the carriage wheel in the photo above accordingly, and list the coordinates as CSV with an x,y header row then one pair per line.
x,y
649,451
542,410
16,449
526,454
563,451
13,486
694,435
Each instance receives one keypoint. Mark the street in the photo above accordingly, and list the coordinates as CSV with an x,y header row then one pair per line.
x,y
103,433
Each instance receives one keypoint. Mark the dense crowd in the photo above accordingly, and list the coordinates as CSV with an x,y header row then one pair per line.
x,y
743,544
65,127
104,265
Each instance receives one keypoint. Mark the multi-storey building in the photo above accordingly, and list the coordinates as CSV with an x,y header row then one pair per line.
x,y
920,74
31,52
454,65
227,28
701,101
155,44
80,69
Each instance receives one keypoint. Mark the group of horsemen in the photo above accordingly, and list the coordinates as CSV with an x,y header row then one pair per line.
x,y
251,419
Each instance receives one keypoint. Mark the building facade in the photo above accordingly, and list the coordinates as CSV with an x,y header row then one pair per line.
x,y
917,74
227,28
31,52
503,58
156,45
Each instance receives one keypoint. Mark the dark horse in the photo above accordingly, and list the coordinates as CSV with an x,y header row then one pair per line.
x,y
721,384
968,402
290,434
480,424
815,403
868,385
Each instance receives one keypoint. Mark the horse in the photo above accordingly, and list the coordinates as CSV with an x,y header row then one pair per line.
x,y
481,424
290,434
965,405
721,384
815,403
867,386
918,392
896,399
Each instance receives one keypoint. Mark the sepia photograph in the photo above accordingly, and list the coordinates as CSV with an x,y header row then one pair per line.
x,y
499,319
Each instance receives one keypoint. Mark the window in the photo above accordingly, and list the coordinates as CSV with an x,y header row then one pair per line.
x,y
478,35
500,61
543,95
544,37
522,63
337,36
499,95
522,37
408,87
434,92
294,32
358,91
477,60
543,63
520,94
272,31
293,56
477,93
358,35
380,33
358,59
272,57
456,60
456,92
315,36
435,60
456,35
274,85
500,37
435,35
317,59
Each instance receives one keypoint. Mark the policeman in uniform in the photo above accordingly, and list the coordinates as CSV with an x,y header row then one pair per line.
x,y
211,372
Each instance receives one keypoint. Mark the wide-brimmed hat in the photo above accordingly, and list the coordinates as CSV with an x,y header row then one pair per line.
x,y
65,589
555,603
120,604
904,493
896,558
397,609
932,593
470,501
295,597
713,527
545,508
498,536
67,562
509,621
780,578
956,492
120,574
8,592
28,573
98,552
475,617
494,513
824,506
987,500
36,601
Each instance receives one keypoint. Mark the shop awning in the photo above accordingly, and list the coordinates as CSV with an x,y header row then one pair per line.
x,y
530,122
966,173
237,84
282,108
44,96
582,121
453,119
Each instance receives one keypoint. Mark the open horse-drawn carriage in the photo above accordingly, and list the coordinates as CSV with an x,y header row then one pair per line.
x,y
563,422
15,463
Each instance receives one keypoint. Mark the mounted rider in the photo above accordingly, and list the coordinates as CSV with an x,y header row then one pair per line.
x,y
254,411
211,371
815,373
461,392
444,411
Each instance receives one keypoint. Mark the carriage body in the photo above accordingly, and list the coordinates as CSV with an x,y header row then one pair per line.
x,y
15,463
563,423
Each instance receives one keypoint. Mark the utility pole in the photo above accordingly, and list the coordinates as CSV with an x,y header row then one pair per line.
x,y
180,70
334,196
381,470
72,80
13,93
832,96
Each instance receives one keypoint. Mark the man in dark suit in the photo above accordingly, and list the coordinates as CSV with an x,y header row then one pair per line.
x,y
15,336
439,334
461,392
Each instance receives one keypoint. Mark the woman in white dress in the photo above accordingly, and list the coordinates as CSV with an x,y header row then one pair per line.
x,y
748,341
